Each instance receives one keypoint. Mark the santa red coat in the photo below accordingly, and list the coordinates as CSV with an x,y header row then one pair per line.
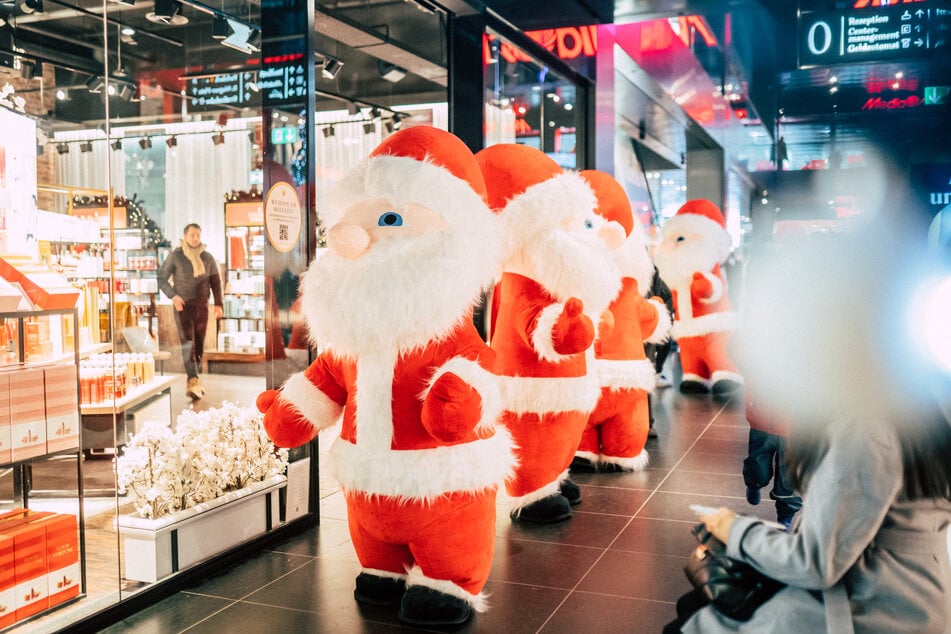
x,y
616,431
419,456
703,323
546,390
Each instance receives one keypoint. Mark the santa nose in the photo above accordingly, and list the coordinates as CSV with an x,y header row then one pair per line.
x,y
348,241
612,235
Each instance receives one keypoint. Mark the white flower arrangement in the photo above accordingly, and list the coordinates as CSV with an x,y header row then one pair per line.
x,y
210,452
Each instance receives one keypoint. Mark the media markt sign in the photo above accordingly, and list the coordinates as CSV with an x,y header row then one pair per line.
x,y
282,216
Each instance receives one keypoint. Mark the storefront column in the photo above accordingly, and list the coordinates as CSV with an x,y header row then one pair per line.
x,y
287,82
467,78
706,175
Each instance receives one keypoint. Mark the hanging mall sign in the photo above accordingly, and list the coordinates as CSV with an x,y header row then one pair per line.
x,y
875,33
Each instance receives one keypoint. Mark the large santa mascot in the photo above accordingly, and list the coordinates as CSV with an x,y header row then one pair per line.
x,y
617,429
695,242
557,281
412,244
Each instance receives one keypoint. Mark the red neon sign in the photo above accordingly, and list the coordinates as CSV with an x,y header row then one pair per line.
x,y
878,86
567,43
865,4
877,103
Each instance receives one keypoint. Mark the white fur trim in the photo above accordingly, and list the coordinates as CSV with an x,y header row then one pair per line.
x,y
524,394
718,288
517,504
711,231
726,375
590,456
541,336
634,261
637,463
425,474
374,401
696,378
386,574
662,329
415,577
704,325
635,374
485,383
316,408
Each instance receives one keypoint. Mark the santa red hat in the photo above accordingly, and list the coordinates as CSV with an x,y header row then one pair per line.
x,y
705,218
435,146
613,203
422,164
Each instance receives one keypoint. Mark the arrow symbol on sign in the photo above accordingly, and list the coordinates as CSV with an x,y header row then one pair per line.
x,y
919,13
919,42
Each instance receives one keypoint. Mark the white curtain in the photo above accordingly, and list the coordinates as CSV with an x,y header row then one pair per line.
x,y
198,174
88,169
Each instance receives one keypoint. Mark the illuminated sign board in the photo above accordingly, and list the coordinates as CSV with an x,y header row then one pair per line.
x,y
283,136
222,89
877,33
281,82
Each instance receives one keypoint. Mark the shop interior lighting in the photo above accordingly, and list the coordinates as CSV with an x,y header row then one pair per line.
x,y
390,126
62,148
253,86
171,141
85,146
369,127
239,38
30,69
126,91
254,40
167,12
218,139
117,144
353,108
328,132
62,94
374,113
30,6
95,83
220,29
145,143
390,72
331,68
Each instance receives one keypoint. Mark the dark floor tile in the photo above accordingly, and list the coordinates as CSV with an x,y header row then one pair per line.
x,y
739,433
173,614
515,608
720,446
252,618
329,534
323,584
676,506
661,537
603,497
681,481
248,576
638,576
597,530
541,563
645,480
713,462
586,612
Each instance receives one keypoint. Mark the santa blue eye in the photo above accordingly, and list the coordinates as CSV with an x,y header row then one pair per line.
x,y
390,219
681,238
588,224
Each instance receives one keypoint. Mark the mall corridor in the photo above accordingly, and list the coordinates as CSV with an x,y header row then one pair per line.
x,y
616,566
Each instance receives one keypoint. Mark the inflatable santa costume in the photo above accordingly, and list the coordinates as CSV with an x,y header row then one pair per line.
x,y
557,280
695,242
617,429
412,244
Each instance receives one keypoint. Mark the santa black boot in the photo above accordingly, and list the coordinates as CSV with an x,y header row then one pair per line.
x,y
375,590
424,606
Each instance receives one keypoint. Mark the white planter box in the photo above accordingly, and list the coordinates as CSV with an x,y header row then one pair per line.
x,y
155,548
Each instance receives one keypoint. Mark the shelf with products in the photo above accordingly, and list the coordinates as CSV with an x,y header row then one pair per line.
x,y
241,329
39,426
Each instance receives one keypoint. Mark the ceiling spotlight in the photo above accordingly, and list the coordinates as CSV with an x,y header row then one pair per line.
x,y
369,127
398,118
218,139
62,148
95,83
254,86
374,113
390,126
834,90
390,72
85,146
171,141
117,144
128,31
62,94
29,6
145,143
331,68
328,132
126,91
352,108
30,69
238,40
167,12
220,29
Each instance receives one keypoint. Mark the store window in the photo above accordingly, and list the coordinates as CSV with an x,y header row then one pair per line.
x,y
529,103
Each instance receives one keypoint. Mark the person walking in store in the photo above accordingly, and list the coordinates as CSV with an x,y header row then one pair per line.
x,y
194,276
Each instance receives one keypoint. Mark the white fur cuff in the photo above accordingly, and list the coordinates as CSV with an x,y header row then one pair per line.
x,y
542,335
662,329
314,405
415,577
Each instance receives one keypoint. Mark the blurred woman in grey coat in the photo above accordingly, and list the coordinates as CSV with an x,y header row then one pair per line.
x,y
870,449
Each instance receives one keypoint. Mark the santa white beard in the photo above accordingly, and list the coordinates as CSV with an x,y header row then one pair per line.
x,y
567,267
678,266
633,260
398,296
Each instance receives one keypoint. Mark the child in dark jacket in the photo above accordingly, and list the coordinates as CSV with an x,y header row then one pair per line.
x,y
766,460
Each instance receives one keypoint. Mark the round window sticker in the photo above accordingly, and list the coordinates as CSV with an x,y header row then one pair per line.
x,y
282,216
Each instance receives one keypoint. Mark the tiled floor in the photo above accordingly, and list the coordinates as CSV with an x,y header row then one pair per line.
x,y
616,566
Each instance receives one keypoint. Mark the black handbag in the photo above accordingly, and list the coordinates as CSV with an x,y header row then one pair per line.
x,y
735,589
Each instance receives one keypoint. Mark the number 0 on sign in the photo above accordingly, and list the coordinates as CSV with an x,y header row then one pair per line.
x,y
282,216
